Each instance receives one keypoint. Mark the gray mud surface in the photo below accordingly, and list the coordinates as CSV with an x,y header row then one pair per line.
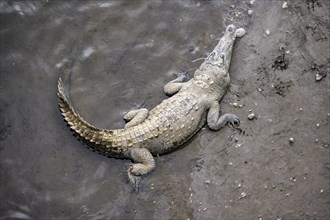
x,y
117,56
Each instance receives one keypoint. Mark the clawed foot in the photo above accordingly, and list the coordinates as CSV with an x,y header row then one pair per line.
x,y
134,177
232,120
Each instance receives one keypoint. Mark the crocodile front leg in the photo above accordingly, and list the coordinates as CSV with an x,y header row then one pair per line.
x,y
215,121
175,85
136,117
144,163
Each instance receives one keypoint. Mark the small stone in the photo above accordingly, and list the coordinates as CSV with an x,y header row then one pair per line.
x,y
250,12
207,181
251,116
318,77
267,32
212,36
240,106
291,140
317,125
204,209
243,194
232,6
300,109
235,104
284,5
250,110
239,185
252,2
321,191
259,89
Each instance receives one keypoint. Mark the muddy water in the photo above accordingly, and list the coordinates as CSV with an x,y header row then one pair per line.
x,y
116,56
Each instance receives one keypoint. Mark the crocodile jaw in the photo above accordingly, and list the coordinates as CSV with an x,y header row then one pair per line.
x,y
221,55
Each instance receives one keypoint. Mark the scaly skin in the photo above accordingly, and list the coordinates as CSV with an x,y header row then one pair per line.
x,y
171,123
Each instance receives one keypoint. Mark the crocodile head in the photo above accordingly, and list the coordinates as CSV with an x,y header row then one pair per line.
x,y
221,55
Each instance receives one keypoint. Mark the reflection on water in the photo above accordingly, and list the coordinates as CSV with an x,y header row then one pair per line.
x,y
115,56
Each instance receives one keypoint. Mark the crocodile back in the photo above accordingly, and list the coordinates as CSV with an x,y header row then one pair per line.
x,y
169,125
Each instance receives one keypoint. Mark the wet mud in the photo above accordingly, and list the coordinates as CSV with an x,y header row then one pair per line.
x,y
116,56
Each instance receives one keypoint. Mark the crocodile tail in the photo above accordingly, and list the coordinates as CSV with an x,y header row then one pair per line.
x,y
95,136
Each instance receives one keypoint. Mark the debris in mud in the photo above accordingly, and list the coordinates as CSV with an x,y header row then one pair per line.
x,y
243,195
252,2
284,5
318,76
291,140
281,63
251,116
235,104
321,71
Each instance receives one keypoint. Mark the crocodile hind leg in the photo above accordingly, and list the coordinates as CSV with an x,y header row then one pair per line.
x,y
175,85
215,121
136,117
144,163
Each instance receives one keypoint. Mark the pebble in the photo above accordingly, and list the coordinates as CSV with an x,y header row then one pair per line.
x,y
267,32
284,5
252,2
243,195
316,140
291,140
250,12
207,181
318,77
317,125
251,116
259,89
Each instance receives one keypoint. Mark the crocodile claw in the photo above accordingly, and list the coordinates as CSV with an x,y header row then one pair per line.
x,y
134,179
233,120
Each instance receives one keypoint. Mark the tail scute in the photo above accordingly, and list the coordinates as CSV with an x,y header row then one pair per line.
x,y
79,125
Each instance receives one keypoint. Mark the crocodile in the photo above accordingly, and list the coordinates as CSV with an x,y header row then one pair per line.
x,y
192,104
